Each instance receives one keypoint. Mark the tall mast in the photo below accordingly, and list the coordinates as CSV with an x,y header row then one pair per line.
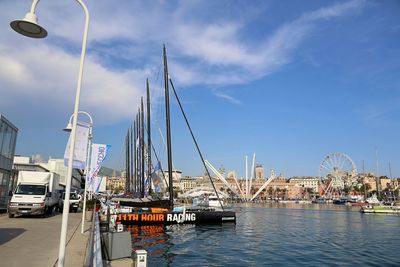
x,y
168,129
378,180
131,162
148,138
134,156
138,153
127,161
142,145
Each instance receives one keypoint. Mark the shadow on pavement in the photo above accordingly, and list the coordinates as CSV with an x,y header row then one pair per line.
x,y
7,234
29,216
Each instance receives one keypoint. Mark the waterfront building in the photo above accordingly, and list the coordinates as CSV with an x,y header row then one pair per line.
x,y
187,183
385,182
115,183
57,166
231,175
306,182
259,172
8,139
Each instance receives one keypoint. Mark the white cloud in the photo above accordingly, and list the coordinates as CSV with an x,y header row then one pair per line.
x,y
50,74
214,44
227,97
217,45
210,53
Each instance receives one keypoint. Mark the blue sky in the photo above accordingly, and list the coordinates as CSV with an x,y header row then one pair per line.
x,y
291,81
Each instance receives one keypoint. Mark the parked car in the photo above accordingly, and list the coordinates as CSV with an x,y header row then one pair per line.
x,y
74,201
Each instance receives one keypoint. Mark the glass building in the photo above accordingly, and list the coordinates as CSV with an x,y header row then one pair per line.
x,y
8,140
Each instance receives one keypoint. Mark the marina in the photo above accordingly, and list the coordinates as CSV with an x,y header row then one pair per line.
x,y
273,234
159,171
269,234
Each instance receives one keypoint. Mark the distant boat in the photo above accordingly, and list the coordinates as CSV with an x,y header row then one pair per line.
x,y
373,200
301,201
211,201
340,201
355,200
382,209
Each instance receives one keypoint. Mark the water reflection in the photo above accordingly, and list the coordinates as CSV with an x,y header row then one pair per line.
x,y
277,234
154,239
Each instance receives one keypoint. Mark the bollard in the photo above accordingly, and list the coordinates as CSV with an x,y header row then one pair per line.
x,y
141,258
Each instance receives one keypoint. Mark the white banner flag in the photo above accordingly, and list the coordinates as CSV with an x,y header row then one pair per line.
x,y
81,144
99,153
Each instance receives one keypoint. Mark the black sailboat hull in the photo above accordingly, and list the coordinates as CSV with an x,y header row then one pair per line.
x,y
167,218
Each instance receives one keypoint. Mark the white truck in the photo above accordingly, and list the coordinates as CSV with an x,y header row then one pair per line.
x,y
36,194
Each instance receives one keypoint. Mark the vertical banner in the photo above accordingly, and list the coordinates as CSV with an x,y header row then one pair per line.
x,y
81,145
99,153
156,179
101,184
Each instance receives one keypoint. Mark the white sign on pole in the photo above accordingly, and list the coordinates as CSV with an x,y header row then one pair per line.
x,y
99,153
81,145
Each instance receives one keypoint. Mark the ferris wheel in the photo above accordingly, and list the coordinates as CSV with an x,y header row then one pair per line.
x,y
338,171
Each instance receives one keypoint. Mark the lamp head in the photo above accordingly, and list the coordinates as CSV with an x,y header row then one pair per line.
x,y
29,26
68,128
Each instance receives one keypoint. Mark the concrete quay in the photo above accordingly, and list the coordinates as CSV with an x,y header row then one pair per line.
x,y
34,241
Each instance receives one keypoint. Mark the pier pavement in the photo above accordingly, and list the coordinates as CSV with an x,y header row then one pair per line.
x,y
34,241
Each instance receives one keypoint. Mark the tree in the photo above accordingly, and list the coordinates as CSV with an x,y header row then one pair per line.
x,y
270,190
365,188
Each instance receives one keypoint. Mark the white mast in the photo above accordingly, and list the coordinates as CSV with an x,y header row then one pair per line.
x,y
240,189
252,173
247,185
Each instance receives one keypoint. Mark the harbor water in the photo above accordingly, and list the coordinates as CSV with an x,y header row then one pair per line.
x,y
277,235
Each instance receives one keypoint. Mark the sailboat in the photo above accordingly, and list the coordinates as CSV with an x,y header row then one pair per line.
x,y
144,210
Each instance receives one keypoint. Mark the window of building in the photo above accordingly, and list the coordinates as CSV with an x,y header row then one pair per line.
x,y
6,132
4,178
2,129
12,144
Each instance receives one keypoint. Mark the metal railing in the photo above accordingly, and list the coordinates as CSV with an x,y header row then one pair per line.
x,y
93,256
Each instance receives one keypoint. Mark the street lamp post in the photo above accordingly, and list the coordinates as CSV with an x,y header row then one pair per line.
x,y
29,27
87,167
